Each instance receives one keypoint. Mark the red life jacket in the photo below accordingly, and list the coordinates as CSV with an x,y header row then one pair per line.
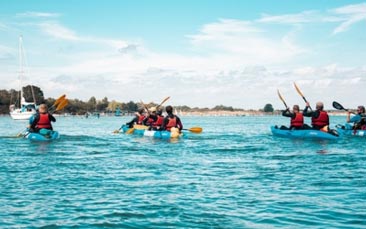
x,y
141,118
44,122
159,121
172,123
298,121
321,121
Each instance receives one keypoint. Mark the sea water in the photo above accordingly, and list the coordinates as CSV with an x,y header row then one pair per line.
x,y
235,174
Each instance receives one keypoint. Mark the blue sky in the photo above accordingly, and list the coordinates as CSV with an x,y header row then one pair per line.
x,y
201,53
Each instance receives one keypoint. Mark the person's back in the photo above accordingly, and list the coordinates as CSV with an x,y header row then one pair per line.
x,y
42,120
297,118
319,117
171,120
137,119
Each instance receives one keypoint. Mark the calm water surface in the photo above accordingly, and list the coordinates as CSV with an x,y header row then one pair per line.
x,y
233,175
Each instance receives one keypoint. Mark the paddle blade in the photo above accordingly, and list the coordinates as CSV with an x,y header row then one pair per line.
x,y
195,129
338,106
62,105
140,127
298,90
130,131
281,98
59,100
166,99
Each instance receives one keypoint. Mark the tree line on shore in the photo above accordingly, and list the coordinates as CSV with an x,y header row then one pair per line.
x,y
79,107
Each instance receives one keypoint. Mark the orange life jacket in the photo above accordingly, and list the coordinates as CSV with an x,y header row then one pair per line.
x,y
298,121
159,121
172,123
44,122
141,118
321,121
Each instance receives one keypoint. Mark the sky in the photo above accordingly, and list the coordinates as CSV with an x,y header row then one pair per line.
x,y
200,53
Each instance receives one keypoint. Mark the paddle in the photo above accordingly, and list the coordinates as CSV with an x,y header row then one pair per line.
x,y
166,99
301,94
281,98
196,129
338,106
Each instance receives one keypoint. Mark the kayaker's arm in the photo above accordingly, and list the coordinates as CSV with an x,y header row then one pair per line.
x,y
288,113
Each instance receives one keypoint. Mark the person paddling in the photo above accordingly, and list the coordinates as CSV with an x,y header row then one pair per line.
x,y
319,117
358,120
138,119
297,118
171,120
42,120
154,120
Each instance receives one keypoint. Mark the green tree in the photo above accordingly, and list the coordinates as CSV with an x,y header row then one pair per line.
x,y
268,108
33,93
131,106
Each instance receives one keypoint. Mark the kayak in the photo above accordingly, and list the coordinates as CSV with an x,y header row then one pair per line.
x,y
348,131
143,131
53,135
307,133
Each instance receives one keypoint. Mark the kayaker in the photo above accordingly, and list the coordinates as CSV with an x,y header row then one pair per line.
x,y
358,120
171,120
297,118
138,119
319,117
42,120
159,120
155,119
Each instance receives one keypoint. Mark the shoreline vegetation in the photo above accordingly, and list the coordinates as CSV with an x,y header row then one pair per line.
x,y
105,107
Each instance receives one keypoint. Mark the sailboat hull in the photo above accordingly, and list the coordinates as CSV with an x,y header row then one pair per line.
x,y
18,114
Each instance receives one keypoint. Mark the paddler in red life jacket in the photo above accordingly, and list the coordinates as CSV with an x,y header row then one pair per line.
x,y
154,120
297,118
138,119
319,117
42,120
171,120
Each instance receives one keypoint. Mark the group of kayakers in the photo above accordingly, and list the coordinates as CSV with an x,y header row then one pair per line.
x,y
320,118
154,119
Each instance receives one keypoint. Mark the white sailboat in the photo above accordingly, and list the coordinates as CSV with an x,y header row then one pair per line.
x,y
26,109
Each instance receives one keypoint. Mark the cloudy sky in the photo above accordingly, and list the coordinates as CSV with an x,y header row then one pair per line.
x,y
201,53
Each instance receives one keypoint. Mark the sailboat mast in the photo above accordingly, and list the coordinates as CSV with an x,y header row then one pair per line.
x,y
20,68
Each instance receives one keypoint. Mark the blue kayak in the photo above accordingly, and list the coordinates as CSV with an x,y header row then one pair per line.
x,y
143,131
348,131
52,135
305,134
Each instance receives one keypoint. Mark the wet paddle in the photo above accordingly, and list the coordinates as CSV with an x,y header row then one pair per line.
x,y
196,129
338,106
281,98
301,94
166,99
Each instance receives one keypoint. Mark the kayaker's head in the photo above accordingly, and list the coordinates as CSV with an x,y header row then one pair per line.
x,y
296,108
152,109
140,111
169,109
43,108
159,112
319,106
360,110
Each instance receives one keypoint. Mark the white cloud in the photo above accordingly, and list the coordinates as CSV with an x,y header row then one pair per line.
x,y
303,17
56,30
38,14
245,42
351,14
